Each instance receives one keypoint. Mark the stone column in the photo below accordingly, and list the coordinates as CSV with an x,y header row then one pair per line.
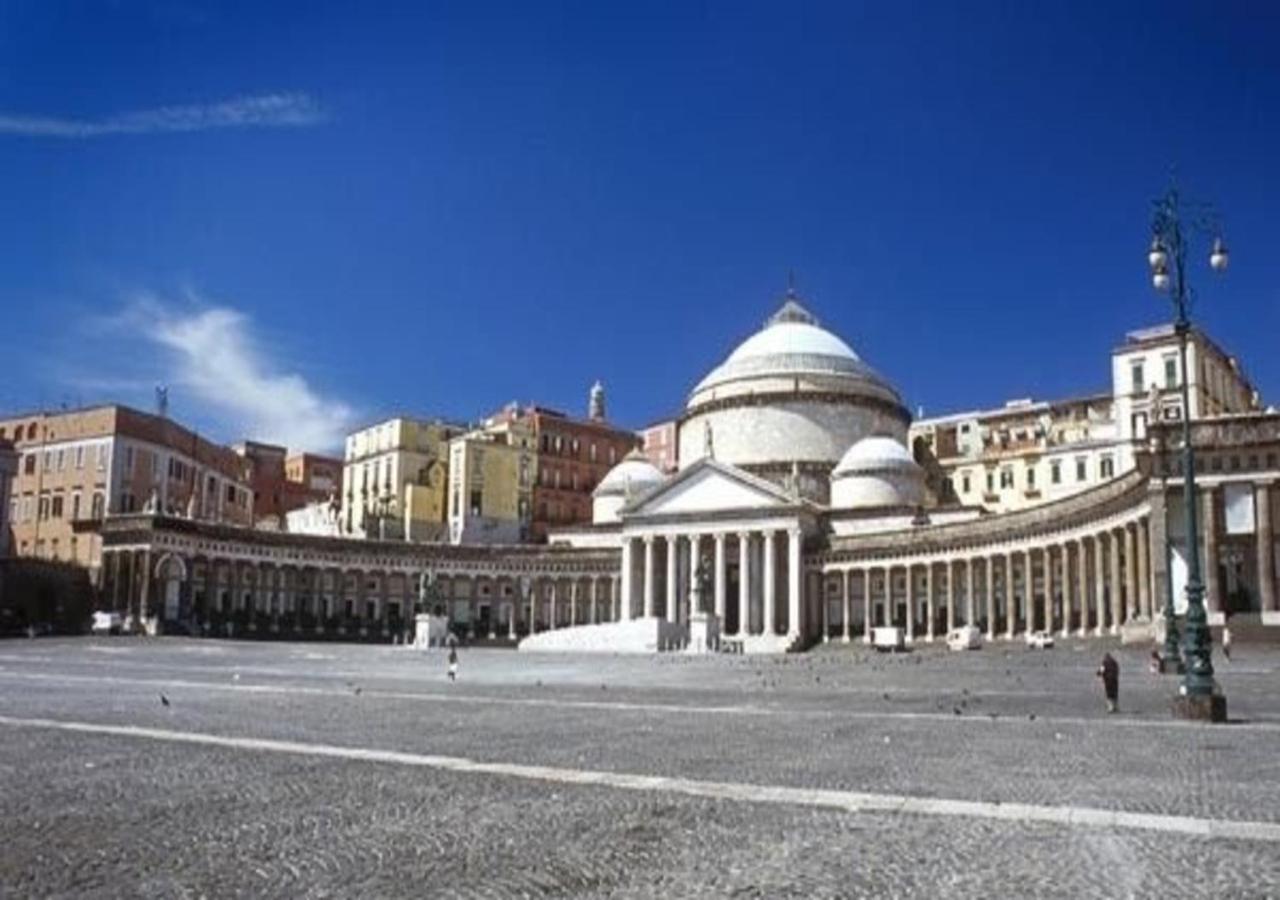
x,y
673,557
795,583
650,587
1010,600
626,575
911,602
744,583
695,542
1130,572
866,604
1100,581
1209,525
968,592
511,611
1082,584
593,611
1115,546
1144,569
847,580
720,578
1047,556
615,595
1028,593
951,595
930,609
144,592
1065,550
990,582
1265,543
824,613
770,583
553,611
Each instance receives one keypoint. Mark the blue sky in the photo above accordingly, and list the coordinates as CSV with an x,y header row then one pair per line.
x,y
304,216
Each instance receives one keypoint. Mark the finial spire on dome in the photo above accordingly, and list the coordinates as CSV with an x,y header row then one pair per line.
x,y
792,310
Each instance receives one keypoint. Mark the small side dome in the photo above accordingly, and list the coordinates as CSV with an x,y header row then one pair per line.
x,y
877,471
628,479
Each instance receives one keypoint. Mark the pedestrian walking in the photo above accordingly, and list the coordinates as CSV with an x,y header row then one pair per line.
x,y
453,663
1109,672
1153,665
1226,641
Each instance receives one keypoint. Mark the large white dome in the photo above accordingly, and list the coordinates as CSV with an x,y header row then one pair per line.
x,y
787,403
793,344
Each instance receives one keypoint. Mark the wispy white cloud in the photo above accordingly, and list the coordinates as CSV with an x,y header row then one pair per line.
x,y
280,110
210,353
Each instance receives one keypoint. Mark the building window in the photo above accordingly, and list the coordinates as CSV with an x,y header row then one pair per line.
x,y
62,460
1170,371
1055,472
593,451
80,457
1082,471
29,464
964,483
1006,478
48,460
102,457
99,501
1106,467
55,506
75,506
1137,380
1031,477
991,483
475,502
128,460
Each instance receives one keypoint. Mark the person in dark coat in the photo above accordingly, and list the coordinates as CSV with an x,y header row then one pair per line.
x,y
1109,672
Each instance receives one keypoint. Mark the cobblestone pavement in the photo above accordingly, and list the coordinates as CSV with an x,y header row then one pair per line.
x,y
475,789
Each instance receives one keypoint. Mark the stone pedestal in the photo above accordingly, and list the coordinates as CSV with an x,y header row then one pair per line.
x,y
704,633
1201,707
422,631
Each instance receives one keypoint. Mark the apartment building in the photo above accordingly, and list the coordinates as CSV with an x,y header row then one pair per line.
x,y
8,469
1030,452
394,479
491,485
92,462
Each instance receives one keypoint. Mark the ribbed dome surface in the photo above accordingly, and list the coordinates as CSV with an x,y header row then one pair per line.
x,y
631,476
875,453
792,343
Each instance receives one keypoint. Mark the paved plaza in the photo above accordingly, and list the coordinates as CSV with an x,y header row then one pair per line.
x,y
331,770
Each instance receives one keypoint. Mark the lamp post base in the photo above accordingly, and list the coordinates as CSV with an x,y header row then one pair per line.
x,y
1201,707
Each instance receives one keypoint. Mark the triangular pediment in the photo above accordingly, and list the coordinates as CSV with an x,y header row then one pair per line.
x,y
709,486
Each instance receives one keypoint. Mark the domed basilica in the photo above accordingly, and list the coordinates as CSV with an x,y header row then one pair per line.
x,y
804,505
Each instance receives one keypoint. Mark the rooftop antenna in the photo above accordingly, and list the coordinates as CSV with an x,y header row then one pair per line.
x,y
162,401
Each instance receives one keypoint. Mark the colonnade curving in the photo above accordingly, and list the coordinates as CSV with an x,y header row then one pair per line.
x,y
216,594
1087,583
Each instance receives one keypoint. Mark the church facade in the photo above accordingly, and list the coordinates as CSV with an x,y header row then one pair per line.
x,y
798,513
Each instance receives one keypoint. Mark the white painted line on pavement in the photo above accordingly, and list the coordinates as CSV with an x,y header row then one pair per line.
x,y
846,801
972,716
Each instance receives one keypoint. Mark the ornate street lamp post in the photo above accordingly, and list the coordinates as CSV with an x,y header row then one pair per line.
x,y
1171,659
1167,257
